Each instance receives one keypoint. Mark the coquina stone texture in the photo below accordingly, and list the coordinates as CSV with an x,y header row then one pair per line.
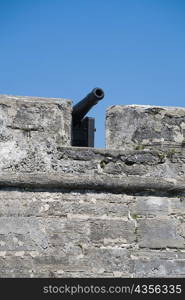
x,y
30,122
85,212
143,126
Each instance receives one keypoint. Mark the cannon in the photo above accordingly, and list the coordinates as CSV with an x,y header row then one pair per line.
x,y
83,128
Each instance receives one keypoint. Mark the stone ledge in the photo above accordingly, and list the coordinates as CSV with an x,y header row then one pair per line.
x,y
98,169
99,182
75,160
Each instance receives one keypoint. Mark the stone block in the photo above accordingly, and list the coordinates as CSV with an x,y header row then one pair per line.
x,y
109,260
136,127
31,123
159,267
15,266
64,233
159,233
23,233
150,206
112,231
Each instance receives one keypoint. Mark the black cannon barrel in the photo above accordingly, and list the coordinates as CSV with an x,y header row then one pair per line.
x,y
82,107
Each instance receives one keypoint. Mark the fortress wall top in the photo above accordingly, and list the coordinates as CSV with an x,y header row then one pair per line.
x,y
29,122
84,212
143,126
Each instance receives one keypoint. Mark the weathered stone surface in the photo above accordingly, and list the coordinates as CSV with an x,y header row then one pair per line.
x,y
143,126
153,206
159,268
150,206
158,263
101,182
101,169
56,234
85,203
20,230
113,231
27,123
110,260
84,212
159,233
15,266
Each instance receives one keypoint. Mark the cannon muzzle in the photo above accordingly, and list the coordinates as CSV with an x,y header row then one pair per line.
x,y
82,107
83,128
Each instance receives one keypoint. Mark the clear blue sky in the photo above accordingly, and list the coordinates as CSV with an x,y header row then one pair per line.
x,y
133,49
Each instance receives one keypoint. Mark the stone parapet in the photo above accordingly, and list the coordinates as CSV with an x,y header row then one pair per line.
x,y
29,122
144,126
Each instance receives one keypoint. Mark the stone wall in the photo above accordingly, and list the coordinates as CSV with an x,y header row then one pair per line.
x,y
27,123
90,234
144,126
84,212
